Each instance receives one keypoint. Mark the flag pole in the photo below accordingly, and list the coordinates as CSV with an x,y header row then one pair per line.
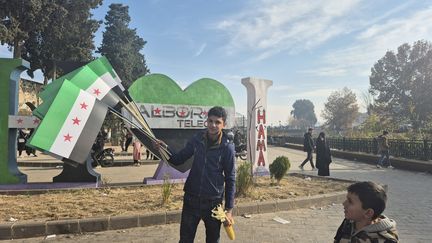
x,y
137,113
163,151
132,123
140,119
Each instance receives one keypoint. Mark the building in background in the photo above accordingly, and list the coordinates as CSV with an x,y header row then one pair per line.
x,y
28,92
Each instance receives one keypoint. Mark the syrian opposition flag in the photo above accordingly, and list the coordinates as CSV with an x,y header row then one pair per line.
x,y
101,87
99,79
100,66
71,124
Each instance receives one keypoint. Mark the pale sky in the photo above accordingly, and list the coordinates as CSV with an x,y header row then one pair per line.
x,y
308,48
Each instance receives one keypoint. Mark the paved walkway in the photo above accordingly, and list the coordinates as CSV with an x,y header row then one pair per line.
x,y
410,204
109,174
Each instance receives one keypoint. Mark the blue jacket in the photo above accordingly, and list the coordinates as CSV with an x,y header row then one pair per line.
x,y
212,168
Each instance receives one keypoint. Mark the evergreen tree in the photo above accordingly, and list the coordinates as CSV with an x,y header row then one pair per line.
x,y
122,46
68,36
17,19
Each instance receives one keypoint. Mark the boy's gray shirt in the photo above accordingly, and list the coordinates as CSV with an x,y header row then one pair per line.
x,y
383,224
383,231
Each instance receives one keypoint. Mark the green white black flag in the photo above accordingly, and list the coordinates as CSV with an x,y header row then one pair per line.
x,y
99,86
71,124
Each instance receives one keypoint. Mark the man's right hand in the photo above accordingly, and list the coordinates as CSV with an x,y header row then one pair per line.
x,y
157,144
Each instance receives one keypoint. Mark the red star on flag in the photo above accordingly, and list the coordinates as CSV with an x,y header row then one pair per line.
x,y
76,121
20,121
96,92
67,137
84,106
36,121
182,113
204,113
157,111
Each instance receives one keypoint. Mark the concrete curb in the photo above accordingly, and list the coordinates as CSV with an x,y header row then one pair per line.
x,y
117,163
19,230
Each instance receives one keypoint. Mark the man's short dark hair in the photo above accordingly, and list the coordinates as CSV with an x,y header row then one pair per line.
x,y
218,112
385,132
310,129
371,196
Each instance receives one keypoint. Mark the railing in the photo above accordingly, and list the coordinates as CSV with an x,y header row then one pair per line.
x,y
410,149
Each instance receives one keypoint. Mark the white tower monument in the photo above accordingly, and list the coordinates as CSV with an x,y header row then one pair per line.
x,y
257,123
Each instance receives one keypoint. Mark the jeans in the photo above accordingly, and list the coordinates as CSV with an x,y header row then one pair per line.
x,y
308,158
195,209
384,155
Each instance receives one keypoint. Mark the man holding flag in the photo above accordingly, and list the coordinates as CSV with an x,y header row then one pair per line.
x,y
211,177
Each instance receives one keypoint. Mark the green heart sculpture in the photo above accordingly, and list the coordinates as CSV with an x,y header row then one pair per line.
x,y
160,89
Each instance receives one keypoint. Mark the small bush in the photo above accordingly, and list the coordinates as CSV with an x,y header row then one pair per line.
x,y
244,180
279,168
166,189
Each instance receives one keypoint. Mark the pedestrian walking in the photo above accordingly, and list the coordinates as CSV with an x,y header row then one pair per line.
x,y
149,155
136,152
128,140
21,140
238,138
30,150
122,135
384,151
323,155
308,147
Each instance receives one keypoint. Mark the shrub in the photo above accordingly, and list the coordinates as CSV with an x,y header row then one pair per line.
x,y
244,180
166,189
279,168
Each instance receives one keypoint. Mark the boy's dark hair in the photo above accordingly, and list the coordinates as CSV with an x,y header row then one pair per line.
x,y
371,196
218,112
385,132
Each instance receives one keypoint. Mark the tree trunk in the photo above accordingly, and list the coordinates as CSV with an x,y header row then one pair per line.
x,y
17,49
54,77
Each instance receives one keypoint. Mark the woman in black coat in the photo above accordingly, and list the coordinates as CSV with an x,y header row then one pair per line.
x,y
323,155
21,140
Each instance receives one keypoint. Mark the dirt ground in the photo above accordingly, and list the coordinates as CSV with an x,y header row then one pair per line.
x,y
143,199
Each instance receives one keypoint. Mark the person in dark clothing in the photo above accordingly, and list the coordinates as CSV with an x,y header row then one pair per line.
x,y
128,140
149,155
30,150
122,140
99,143
323,155
308,147
211,177
21,140
237,138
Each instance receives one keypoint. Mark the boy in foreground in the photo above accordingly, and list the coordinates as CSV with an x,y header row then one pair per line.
x,y
211,177
364,221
